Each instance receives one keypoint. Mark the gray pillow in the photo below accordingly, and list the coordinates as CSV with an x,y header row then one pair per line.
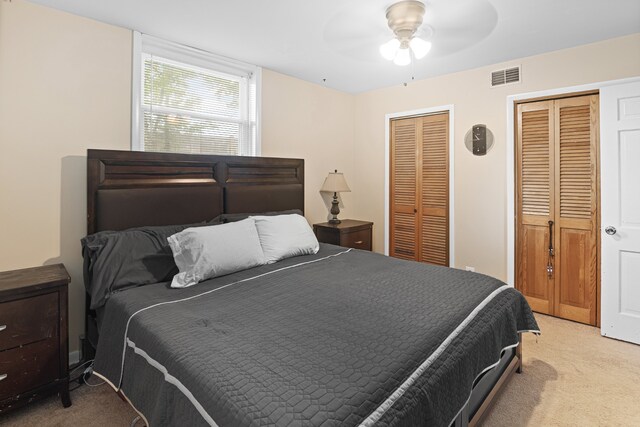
x,y
116,260
229,217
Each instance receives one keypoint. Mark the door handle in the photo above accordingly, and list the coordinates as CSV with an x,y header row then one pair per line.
x,y
550,258
3,327
3,376
550,238
610,230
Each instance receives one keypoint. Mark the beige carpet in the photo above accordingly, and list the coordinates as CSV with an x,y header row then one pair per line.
x,y
572,377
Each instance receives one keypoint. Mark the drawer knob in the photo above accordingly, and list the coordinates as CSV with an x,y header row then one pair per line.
x,y
3,376
3,327
359,242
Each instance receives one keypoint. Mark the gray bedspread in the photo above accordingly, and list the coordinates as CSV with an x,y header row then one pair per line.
x,y
338,338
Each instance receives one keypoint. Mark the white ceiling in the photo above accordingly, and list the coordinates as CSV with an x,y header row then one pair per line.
x,y
338,40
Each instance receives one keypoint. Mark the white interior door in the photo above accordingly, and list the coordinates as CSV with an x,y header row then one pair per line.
x,y
620,196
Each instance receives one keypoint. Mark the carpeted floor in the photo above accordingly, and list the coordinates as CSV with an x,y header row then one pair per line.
x,y
572,377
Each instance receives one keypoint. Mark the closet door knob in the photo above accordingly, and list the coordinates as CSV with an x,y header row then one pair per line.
x,y
610,230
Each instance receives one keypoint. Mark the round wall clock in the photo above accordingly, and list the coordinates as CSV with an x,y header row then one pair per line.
x,y
479,140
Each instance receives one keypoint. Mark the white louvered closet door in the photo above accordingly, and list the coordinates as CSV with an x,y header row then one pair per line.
x,y
419,193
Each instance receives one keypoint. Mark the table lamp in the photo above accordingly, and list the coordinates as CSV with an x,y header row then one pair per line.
x,y
335,183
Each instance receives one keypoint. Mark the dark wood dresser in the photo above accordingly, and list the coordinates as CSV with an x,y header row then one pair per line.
x,y
349,233
34,343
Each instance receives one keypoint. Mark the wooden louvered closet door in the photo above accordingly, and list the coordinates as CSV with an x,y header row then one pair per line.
x,y
434,190
557,181
404,180
535,203
576,136
419,193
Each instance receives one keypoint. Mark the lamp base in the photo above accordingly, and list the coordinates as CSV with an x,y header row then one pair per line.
x,y
335,210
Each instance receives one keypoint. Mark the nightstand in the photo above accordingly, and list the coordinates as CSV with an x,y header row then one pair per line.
x,y
349,233
34,342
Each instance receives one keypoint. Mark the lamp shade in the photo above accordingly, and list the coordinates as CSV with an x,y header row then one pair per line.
x,y
335,183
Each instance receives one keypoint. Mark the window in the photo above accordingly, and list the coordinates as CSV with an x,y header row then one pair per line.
x,y
190,101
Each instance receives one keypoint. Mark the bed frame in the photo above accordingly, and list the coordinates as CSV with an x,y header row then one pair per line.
x,y
128,189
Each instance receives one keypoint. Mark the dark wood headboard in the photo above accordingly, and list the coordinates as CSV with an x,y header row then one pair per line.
x,y
132,188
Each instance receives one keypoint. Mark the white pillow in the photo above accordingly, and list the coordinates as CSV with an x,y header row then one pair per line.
x,y
285,236
205,252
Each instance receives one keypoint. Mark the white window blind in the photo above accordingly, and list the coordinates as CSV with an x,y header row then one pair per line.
x,y
189,101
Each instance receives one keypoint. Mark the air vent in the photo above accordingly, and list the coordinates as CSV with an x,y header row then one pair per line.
x,y
506,76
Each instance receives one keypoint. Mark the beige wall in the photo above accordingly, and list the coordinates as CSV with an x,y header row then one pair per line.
x,y
480,185
305,120
65,86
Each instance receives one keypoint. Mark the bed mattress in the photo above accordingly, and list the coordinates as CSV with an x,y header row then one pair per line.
x,y
343,337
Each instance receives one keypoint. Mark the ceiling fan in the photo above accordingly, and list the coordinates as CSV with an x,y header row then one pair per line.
x,y
358,28
404,18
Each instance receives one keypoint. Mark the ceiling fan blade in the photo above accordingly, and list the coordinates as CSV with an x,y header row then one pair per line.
x,y
363,45
459,25
357,31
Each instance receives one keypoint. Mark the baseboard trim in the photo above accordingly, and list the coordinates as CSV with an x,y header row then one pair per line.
x,y
74,357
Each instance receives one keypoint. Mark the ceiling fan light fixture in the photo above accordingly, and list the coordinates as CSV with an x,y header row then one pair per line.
x,y
419,47
389,50
403,57
404,18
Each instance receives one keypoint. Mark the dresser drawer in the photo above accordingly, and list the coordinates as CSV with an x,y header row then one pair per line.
x,y
26,368
357,239
28,320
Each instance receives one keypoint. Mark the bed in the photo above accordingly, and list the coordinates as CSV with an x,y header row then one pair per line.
x,y
340,337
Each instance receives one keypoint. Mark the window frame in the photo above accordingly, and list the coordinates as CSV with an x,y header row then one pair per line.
x,y
144,44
